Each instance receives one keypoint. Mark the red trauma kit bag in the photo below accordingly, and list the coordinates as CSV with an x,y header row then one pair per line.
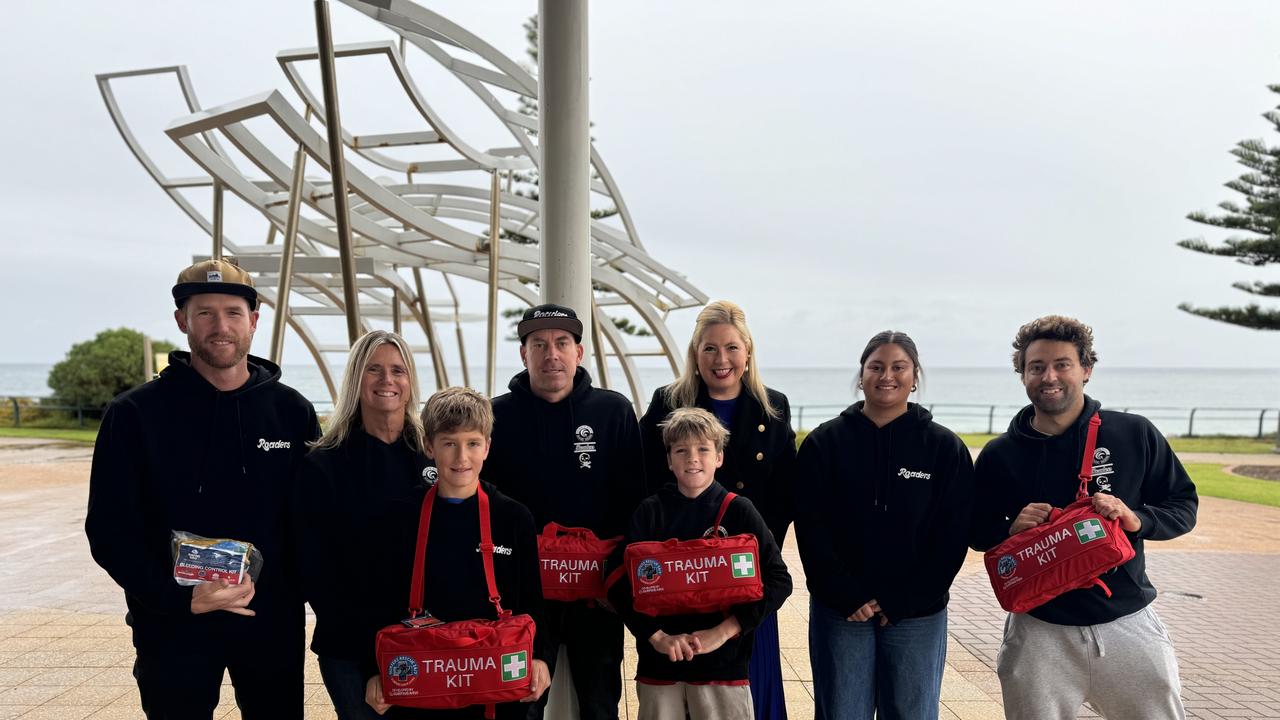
x,y
673,577
426,663
572,562
1067,552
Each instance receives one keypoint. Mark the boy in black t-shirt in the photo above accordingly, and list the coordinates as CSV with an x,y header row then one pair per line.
x,y
457,423
696,663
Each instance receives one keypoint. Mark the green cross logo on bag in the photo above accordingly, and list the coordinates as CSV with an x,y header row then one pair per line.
x,y
744,566
1089,530
515,666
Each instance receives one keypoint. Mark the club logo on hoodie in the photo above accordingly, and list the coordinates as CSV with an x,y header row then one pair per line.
x,y
584,445
1103,469
917,474
266,445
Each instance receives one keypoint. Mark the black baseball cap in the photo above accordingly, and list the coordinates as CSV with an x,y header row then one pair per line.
x,y
550,317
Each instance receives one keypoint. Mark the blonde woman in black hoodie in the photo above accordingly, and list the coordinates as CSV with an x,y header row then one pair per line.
x,y
358,494
882,497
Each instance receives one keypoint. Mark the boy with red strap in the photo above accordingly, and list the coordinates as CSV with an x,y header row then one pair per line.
x,y
1085,645
457,423
696,662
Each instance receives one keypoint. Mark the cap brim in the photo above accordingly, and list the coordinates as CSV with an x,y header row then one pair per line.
x,y
182,291
570,325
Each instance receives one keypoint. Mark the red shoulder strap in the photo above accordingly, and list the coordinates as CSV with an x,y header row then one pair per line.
x,y
486,552
724,505
1086,462
420,553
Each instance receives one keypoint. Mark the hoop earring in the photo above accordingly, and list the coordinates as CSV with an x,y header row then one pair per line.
x,y
913,388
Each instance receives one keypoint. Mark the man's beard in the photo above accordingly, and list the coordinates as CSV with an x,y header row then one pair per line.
x,y
204,352
1052,407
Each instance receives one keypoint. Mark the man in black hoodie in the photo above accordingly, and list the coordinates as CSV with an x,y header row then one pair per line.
x,y
1111,651
209,448
571,454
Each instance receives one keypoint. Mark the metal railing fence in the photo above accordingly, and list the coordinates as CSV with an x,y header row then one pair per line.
x,y
959,417
990,419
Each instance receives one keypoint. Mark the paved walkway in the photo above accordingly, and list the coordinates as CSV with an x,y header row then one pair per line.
x,y
65,652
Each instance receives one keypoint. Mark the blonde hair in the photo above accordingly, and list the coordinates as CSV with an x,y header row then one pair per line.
x,y
684,391
457,409
346,411
691,422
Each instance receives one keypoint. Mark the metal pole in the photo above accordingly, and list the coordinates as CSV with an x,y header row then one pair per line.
x,y
17,412
338,170
495,227
602,373
564,144
429,327
1191,424
217,220
286,253
149,362
396,321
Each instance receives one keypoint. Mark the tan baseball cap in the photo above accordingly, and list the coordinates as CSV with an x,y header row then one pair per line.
x,y
215,276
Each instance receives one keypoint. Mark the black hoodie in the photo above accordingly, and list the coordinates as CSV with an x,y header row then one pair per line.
x,y
577,462
669,514
454,586
356,510
1132,461
178,454
883,512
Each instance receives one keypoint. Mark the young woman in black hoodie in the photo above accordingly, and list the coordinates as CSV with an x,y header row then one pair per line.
x,y
882,496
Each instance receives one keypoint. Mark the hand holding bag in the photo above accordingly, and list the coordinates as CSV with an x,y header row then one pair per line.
x,y
425,663
672,577
1067,552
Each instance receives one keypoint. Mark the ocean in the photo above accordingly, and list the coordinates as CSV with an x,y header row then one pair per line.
x,y
1225,400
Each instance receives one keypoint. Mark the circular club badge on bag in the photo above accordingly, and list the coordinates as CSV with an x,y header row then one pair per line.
x,y
1006,565
402,670
649,571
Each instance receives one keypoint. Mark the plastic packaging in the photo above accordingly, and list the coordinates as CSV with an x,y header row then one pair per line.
x,y
198,559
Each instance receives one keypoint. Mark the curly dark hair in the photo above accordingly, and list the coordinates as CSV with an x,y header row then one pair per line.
x,y
1054,327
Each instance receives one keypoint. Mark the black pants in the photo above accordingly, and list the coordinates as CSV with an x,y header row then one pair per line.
x,y
184,686
592,637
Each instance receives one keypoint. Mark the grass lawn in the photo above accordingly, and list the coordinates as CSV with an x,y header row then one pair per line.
x,y
1212,481
86,435
1209,444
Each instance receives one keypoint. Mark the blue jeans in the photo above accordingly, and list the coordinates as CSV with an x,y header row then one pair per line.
x,y
861,670
342,678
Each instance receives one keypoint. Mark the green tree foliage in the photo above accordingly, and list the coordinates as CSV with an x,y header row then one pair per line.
x,y
97,370
1258,215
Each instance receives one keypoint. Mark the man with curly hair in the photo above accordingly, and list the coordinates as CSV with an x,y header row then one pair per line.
x,y
1108,649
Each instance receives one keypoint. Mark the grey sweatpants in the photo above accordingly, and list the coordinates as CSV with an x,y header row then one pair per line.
x,y
1124,669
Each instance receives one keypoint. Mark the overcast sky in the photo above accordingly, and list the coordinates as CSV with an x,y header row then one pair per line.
x,y
950,169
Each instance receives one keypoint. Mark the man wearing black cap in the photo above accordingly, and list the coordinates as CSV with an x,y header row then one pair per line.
x,y
571,453
209,448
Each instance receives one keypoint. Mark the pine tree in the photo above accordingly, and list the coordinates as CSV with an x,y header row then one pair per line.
x,y
1259,215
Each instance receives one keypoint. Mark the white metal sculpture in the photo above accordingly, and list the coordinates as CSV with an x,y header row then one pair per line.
x,y
402,230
